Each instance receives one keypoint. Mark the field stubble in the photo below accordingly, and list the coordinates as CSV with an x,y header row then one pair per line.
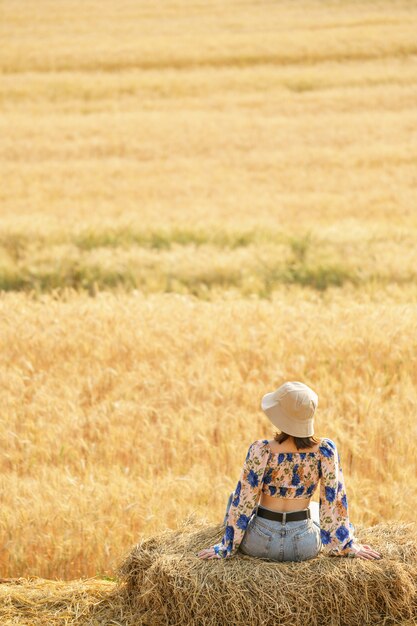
x,y
257,164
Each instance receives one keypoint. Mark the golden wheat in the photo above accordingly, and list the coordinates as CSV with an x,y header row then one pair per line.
x,y
255,159
121,414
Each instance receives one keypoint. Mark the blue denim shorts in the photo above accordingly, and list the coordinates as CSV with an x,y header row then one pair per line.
x,y
281,541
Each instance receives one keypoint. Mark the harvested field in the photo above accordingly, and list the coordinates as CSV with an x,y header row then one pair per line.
x,y
162,582
198,201
37,601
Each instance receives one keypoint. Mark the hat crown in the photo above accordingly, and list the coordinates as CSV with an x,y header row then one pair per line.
x,y
297,399
291,407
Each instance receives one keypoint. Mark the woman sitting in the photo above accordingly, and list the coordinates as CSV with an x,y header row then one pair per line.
x,y
269,514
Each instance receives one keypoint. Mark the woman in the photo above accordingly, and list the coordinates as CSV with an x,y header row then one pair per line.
x,y
284,473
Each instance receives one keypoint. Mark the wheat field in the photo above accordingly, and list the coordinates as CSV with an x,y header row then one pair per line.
x,y
199,201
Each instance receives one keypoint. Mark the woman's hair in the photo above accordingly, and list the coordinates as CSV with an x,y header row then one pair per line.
x,y
300,442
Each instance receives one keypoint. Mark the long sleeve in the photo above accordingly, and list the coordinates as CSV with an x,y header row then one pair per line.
x,y
337,533
245,498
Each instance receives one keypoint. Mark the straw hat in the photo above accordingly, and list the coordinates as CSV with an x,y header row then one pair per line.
x,y
291,408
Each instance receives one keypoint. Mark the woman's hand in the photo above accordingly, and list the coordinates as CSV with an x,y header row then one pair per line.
x,y
208,553
363,551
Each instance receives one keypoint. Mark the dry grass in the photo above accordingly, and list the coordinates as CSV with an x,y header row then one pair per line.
x,y
39,602
255,160
162,582
167,584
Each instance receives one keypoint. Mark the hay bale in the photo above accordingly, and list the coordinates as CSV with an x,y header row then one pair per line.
x,y
164,582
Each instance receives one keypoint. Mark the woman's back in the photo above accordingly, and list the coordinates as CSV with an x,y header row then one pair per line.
x,y
290,476
290,491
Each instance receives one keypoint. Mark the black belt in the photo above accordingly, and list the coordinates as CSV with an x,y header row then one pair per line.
x,y
290,516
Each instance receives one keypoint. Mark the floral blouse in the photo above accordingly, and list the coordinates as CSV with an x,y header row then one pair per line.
x,y
291,475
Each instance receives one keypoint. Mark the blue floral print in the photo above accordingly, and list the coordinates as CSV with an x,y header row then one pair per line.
x,y
310,489
268,476
291,475
242,522
325,536
295,477
328,452
252,478
229,534
342,532
236,498
330,494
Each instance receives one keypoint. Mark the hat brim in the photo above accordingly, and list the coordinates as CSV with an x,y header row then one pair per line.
x,y
286,423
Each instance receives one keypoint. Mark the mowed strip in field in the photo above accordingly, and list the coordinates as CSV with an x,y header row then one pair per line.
x,y
199,147
257,161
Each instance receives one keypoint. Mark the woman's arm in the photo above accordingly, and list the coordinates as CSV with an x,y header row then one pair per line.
x,y
337,533
244,501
